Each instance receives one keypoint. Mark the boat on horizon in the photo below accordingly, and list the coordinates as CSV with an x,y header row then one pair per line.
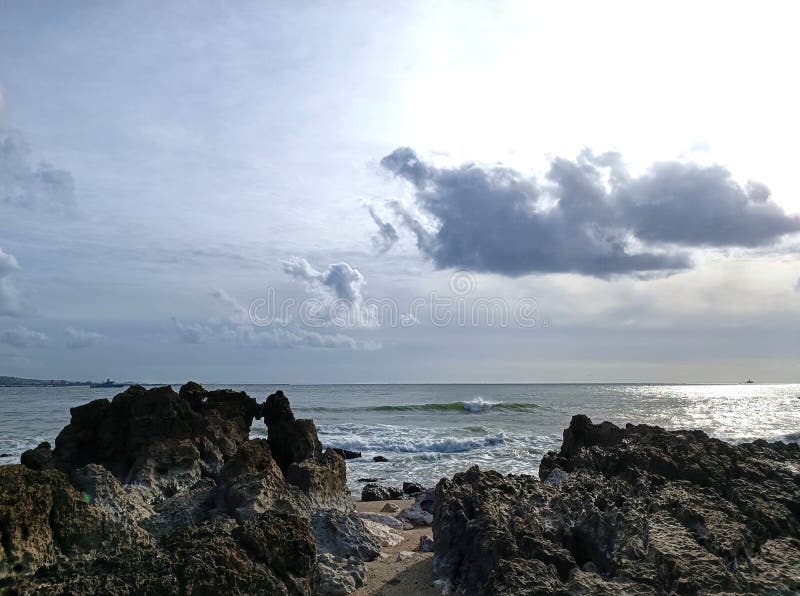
x,y
107,383
749,381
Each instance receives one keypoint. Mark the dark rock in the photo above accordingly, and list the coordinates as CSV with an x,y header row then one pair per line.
x,y
346,453
271,554
379,492
638,510
40,458
156,438
323,480
164,492
379,459
412,488
291,440
43,518
368,479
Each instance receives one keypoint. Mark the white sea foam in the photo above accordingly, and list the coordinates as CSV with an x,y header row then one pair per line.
x,y
400,444
479,404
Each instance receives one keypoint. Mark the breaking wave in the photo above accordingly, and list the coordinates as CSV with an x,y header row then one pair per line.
x,y
473,406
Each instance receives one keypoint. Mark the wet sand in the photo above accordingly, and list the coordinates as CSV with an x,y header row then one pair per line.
x,y
386,576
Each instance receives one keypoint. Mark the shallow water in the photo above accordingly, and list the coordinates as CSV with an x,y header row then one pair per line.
x,y
431,431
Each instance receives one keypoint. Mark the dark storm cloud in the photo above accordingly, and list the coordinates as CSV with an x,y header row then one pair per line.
x,y
31,186
588,216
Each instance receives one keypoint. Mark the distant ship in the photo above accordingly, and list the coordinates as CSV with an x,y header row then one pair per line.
x,y
108,383
749,382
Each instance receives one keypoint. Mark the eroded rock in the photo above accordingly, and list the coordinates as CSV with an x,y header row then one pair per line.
x,y
163,492
637,510
378,492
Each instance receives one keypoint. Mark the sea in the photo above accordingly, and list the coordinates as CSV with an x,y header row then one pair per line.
x,y
427,432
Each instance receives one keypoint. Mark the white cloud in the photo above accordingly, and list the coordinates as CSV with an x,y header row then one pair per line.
x,y
22,337
38,187
80,338
235,326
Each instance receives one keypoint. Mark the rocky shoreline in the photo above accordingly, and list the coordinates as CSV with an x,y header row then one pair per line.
x,y
160,492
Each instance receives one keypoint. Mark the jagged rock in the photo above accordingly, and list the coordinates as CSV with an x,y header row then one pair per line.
x,y
251,483
346,453
412,488
125,504
638,510
158,492
403,555
188,508
43,518
156,438
39,458
339,576
344,535
291,440
323,480
420,512
378,492
390,508
379,459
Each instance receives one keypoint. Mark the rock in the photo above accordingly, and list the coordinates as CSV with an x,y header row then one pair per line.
x,y
344,535
425,544
382,533
379,458
420,513
390,508
125,504
156,438
251,483
404,555
163,492
412,488
40,458
43,518
323,480
346,453
188,508
638,510
378,492
556,476
290,440
368,479
338,576
382,518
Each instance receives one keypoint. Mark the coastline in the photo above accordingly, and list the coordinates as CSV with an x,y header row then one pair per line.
x,y
155,491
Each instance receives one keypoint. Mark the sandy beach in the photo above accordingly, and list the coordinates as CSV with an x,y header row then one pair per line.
x,y
388,576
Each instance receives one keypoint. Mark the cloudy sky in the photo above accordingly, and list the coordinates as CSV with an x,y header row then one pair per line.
x,y
434,192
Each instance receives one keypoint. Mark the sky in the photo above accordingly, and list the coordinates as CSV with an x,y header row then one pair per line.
x,y
344,192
